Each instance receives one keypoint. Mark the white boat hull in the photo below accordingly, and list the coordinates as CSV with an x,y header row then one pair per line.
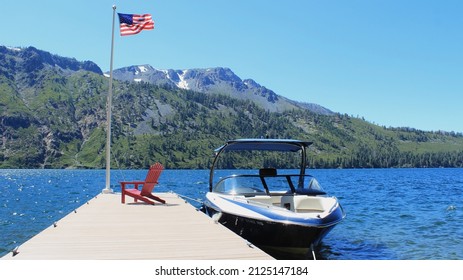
x,y
278,231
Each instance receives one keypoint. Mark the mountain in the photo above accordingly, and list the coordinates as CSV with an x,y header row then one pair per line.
x,y
32,60
215,80
53,115
40,105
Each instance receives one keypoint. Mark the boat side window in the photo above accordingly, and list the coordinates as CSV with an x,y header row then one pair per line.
x,y
313,188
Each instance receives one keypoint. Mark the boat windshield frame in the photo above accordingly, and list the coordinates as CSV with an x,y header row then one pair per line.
x,y
255,185
278,145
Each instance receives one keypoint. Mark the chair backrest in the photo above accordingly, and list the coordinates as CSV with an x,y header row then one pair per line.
x,y
152,177
154,172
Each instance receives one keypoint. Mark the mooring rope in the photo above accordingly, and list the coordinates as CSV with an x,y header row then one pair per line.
x,y
189,198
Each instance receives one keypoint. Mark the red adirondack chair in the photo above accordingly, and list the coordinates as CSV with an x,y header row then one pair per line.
x,y
145,194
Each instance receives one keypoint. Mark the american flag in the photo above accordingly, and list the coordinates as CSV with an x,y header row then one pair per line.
x,y
134,24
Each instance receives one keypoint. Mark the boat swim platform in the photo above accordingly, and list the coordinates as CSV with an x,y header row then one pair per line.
x,y
106,229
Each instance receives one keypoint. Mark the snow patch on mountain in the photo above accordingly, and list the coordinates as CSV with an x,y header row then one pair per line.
x,y
14,49
183,83
142,69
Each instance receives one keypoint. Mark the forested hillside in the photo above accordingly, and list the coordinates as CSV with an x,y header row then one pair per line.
x,y
54,116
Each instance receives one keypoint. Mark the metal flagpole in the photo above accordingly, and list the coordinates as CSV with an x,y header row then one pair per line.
x,y
107,188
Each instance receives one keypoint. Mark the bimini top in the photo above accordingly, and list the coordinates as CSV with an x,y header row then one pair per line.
x,y
281,145
278,145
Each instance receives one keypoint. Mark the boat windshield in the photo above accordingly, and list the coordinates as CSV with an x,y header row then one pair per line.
x,y
263,185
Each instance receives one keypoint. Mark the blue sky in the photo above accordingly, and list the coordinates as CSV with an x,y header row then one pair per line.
x,y
395,62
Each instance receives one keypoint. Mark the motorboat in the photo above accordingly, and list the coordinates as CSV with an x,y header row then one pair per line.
x,y
283,211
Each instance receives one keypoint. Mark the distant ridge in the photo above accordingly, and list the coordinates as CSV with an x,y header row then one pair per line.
x,y
31,59
217,80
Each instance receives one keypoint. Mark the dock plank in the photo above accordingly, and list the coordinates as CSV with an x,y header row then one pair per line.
x,y
105,229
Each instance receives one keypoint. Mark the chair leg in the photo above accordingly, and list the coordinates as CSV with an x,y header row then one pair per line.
x,y
122,193
156,198
145,200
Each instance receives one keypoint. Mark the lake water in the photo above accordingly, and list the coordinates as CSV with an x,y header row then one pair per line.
x,y
397,214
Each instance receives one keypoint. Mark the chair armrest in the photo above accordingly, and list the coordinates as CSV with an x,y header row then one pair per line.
x,y
135,183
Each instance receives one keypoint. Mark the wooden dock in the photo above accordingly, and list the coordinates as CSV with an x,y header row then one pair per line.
x,y
105,229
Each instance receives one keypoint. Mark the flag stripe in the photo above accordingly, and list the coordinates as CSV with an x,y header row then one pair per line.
x,y
134,24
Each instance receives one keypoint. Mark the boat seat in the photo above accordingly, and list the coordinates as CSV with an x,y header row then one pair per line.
x,y
303,203
308,204
276,200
